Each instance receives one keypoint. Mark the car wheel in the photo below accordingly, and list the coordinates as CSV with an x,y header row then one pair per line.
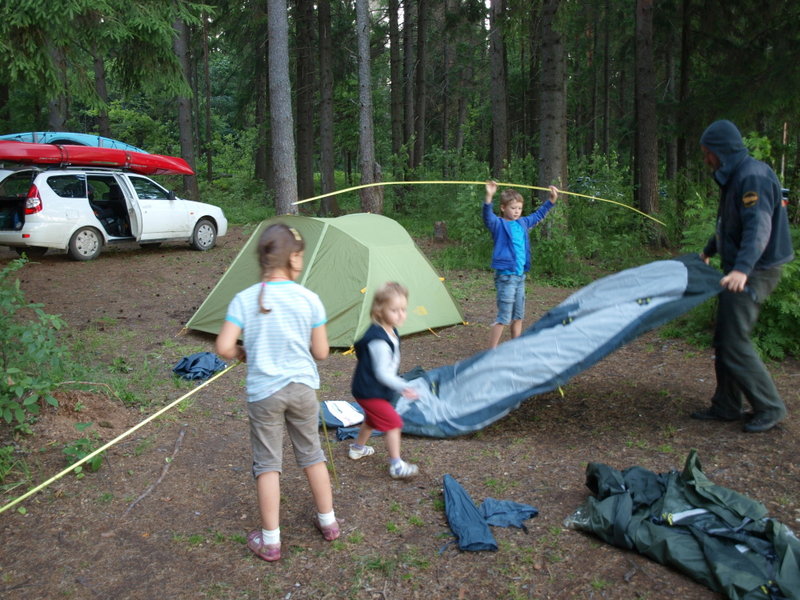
x,y
31,251
86,244
204,236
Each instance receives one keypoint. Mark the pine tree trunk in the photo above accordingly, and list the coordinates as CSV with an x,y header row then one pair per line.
x,y
304,42
420,84
100,88
646,155
371,197
280,101
57,106
396,76
207,112
263,161
328,206
497,92
553,103
409,18
185,131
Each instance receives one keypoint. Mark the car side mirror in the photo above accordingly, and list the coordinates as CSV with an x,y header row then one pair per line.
x,y
171,195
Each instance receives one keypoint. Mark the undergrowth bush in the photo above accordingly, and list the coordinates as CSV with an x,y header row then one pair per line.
x,y
30,356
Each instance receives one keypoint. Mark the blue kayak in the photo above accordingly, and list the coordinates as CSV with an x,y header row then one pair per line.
x,y
69,137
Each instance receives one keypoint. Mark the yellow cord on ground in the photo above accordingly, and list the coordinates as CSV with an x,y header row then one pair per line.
x,y
499,184
107,445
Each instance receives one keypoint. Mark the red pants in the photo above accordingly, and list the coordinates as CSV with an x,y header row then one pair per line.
x,y
380,414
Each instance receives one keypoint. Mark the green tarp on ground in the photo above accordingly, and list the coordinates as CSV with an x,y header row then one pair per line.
x,y
346,259
713,534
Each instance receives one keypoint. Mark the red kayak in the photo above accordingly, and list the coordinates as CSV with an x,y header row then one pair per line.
x,y
90,156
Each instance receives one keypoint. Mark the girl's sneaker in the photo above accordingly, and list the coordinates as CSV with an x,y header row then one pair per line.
x,y
402,470
357,453
268,552
329,532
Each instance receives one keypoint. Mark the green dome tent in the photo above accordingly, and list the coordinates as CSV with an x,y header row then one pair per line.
x,y
346,259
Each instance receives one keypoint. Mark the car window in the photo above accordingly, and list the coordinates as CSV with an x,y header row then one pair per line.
x,y
17,184
68,186
104,188
147,189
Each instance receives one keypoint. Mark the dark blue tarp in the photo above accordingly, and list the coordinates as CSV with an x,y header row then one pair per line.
x,y
201,365
590,324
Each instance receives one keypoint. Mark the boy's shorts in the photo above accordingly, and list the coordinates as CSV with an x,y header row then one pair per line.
x,y
380,414
297,407
510,297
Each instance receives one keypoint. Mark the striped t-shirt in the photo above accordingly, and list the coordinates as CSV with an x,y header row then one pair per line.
x,y
277,343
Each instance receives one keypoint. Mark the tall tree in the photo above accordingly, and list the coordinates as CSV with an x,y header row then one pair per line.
x,y
371,197
280,101
329,205
553,101
646,156
304,43
497,90
185,130
396,77
420,83
409,59
207,134
58,102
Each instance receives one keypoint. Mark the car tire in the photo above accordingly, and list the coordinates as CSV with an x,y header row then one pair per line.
x,y
204,236
31,251
85,244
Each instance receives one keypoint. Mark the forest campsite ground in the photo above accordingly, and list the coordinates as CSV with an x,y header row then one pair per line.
x,y
167,514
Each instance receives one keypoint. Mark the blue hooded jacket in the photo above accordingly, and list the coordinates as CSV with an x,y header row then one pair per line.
x,y
752,223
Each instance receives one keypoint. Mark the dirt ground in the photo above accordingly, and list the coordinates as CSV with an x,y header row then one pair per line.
x,y
167,513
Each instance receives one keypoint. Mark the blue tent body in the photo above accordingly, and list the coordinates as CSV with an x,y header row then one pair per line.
x,y
590,324
68,137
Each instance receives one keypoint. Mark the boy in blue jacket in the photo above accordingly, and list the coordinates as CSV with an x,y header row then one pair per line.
x,y
511,256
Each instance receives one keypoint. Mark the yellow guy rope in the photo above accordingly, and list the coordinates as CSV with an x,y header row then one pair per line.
x,y
499,184
114,441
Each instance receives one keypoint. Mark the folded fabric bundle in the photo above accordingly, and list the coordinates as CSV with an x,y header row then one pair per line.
x,y
201,365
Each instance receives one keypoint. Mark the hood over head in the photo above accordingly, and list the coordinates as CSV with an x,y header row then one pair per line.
x,y
724,139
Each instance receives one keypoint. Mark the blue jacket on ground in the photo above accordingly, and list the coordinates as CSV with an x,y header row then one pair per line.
x,y
752,224
503,258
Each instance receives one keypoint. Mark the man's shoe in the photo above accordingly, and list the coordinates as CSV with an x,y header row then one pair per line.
x,y
761,423
710,414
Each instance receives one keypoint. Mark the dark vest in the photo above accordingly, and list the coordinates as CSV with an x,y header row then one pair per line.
x,y
364,384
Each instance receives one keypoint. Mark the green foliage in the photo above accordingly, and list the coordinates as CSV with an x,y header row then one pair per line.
x,y
30,356
606,233
83,447
776,334
243,199
700,214
13,468
760,147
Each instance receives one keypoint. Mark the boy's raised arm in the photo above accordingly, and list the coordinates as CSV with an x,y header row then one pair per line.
x,y
491,190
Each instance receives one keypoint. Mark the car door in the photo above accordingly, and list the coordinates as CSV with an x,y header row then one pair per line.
x,y
162,215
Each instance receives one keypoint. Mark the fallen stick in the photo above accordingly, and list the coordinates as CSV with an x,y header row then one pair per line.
x,y
164,470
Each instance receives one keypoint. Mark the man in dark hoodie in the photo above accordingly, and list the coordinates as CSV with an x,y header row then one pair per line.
x,y
753,240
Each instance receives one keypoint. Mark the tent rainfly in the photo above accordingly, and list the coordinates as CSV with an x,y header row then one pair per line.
x,y
346,259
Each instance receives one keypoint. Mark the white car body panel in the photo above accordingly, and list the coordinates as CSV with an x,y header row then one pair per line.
x,y
143,210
